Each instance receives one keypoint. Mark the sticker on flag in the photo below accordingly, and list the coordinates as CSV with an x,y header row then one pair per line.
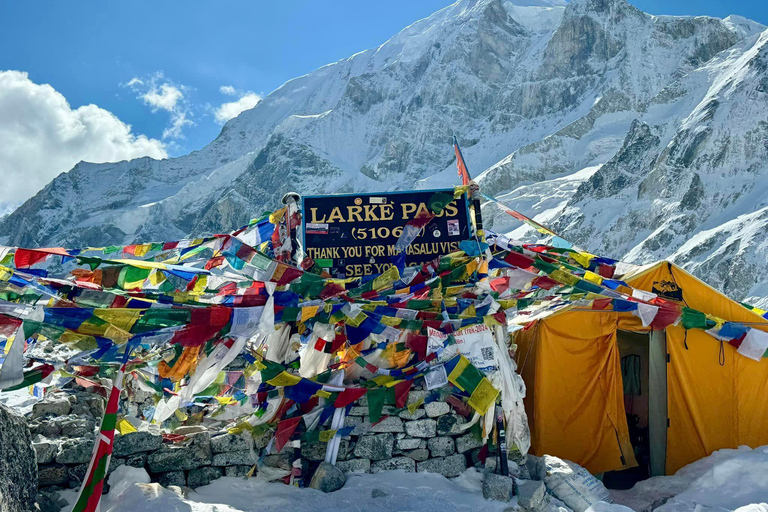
x,y
436,377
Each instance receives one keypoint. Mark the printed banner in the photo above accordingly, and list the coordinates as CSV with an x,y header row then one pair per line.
x,y
354,235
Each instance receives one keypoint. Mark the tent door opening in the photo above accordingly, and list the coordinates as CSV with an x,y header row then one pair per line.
x,y
643,370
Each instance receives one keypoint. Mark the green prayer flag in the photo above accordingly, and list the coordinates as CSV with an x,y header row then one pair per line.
x,y
376,398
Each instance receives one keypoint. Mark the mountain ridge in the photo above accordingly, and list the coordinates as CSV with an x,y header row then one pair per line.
x,y
559,107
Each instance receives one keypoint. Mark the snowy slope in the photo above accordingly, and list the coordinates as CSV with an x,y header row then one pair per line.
x,y
592,115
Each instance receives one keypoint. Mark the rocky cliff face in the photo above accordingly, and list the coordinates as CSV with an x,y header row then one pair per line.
x,y
637,136
18,465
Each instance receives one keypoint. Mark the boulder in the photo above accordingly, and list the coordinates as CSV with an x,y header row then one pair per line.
x,y
239,458
378,493
76,475
18,463
468,442
449,425
75,451
449,467
358,411
203,476
54,405
417,414
419,454
136,442
405,463
532,495
327,478
180,458
389,424
409,444
421,428
375,447
354,466
228,443
52,474
237,471
45,450
498,487
441,446
171,478
280,460
435,409
315,451
49,501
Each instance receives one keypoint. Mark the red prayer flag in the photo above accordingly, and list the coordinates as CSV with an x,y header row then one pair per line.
x,y
348,396
285,430
402,389
461,166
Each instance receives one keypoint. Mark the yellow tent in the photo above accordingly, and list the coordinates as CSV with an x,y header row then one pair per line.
x,y
698,394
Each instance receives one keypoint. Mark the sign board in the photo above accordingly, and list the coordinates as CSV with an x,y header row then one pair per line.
x,y
355,234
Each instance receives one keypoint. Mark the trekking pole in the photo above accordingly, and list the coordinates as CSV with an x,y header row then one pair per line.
x,y
502,441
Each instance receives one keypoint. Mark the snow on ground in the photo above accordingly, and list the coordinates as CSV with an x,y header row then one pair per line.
x,y
20,400
727,480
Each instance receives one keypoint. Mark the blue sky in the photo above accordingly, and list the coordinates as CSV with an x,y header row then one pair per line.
x,y
159,66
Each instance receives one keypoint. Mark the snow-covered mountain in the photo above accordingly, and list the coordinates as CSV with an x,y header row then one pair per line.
x,y
635,136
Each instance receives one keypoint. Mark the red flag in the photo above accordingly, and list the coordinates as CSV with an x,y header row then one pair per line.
x,y
402,389
461,167
284,431
348,396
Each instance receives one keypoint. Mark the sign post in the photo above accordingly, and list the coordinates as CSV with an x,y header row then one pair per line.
x,y
353,235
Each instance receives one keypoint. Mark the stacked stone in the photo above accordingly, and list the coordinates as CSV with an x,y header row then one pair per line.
x,y
426,439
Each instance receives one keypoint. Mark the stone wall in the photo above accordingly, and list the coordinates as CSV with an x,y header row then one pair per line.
x,y
427,438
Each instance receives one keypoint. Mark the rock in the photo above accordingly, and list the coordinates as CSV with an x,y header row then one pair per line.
x,y
45,451
237,471
449,467
532,495
49,501
358,411
441,446
467,442
203,476
375,447
354,466
418,454
415,396
498,487
75,451
240,458
171,478
378,493
181,492
52,474
409,444
55,405
228,443
389,424
405,463
262,439
657,503
417,414
188,430
362,425
327,478
137,442
315,451
421,428
76,475
280,460
448,425
180,458
435,409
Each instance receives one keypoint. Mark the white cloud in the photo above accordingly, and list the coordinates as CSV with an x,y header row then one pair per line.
x,y
42,136
162,94
232,109
166,97
228,90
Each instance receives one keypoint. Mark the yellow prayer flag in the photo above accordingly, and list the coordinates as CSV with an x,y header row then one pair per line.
x,y
308,312
284,379
326,435
582,258
125,427
415,405
483,397
593,278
